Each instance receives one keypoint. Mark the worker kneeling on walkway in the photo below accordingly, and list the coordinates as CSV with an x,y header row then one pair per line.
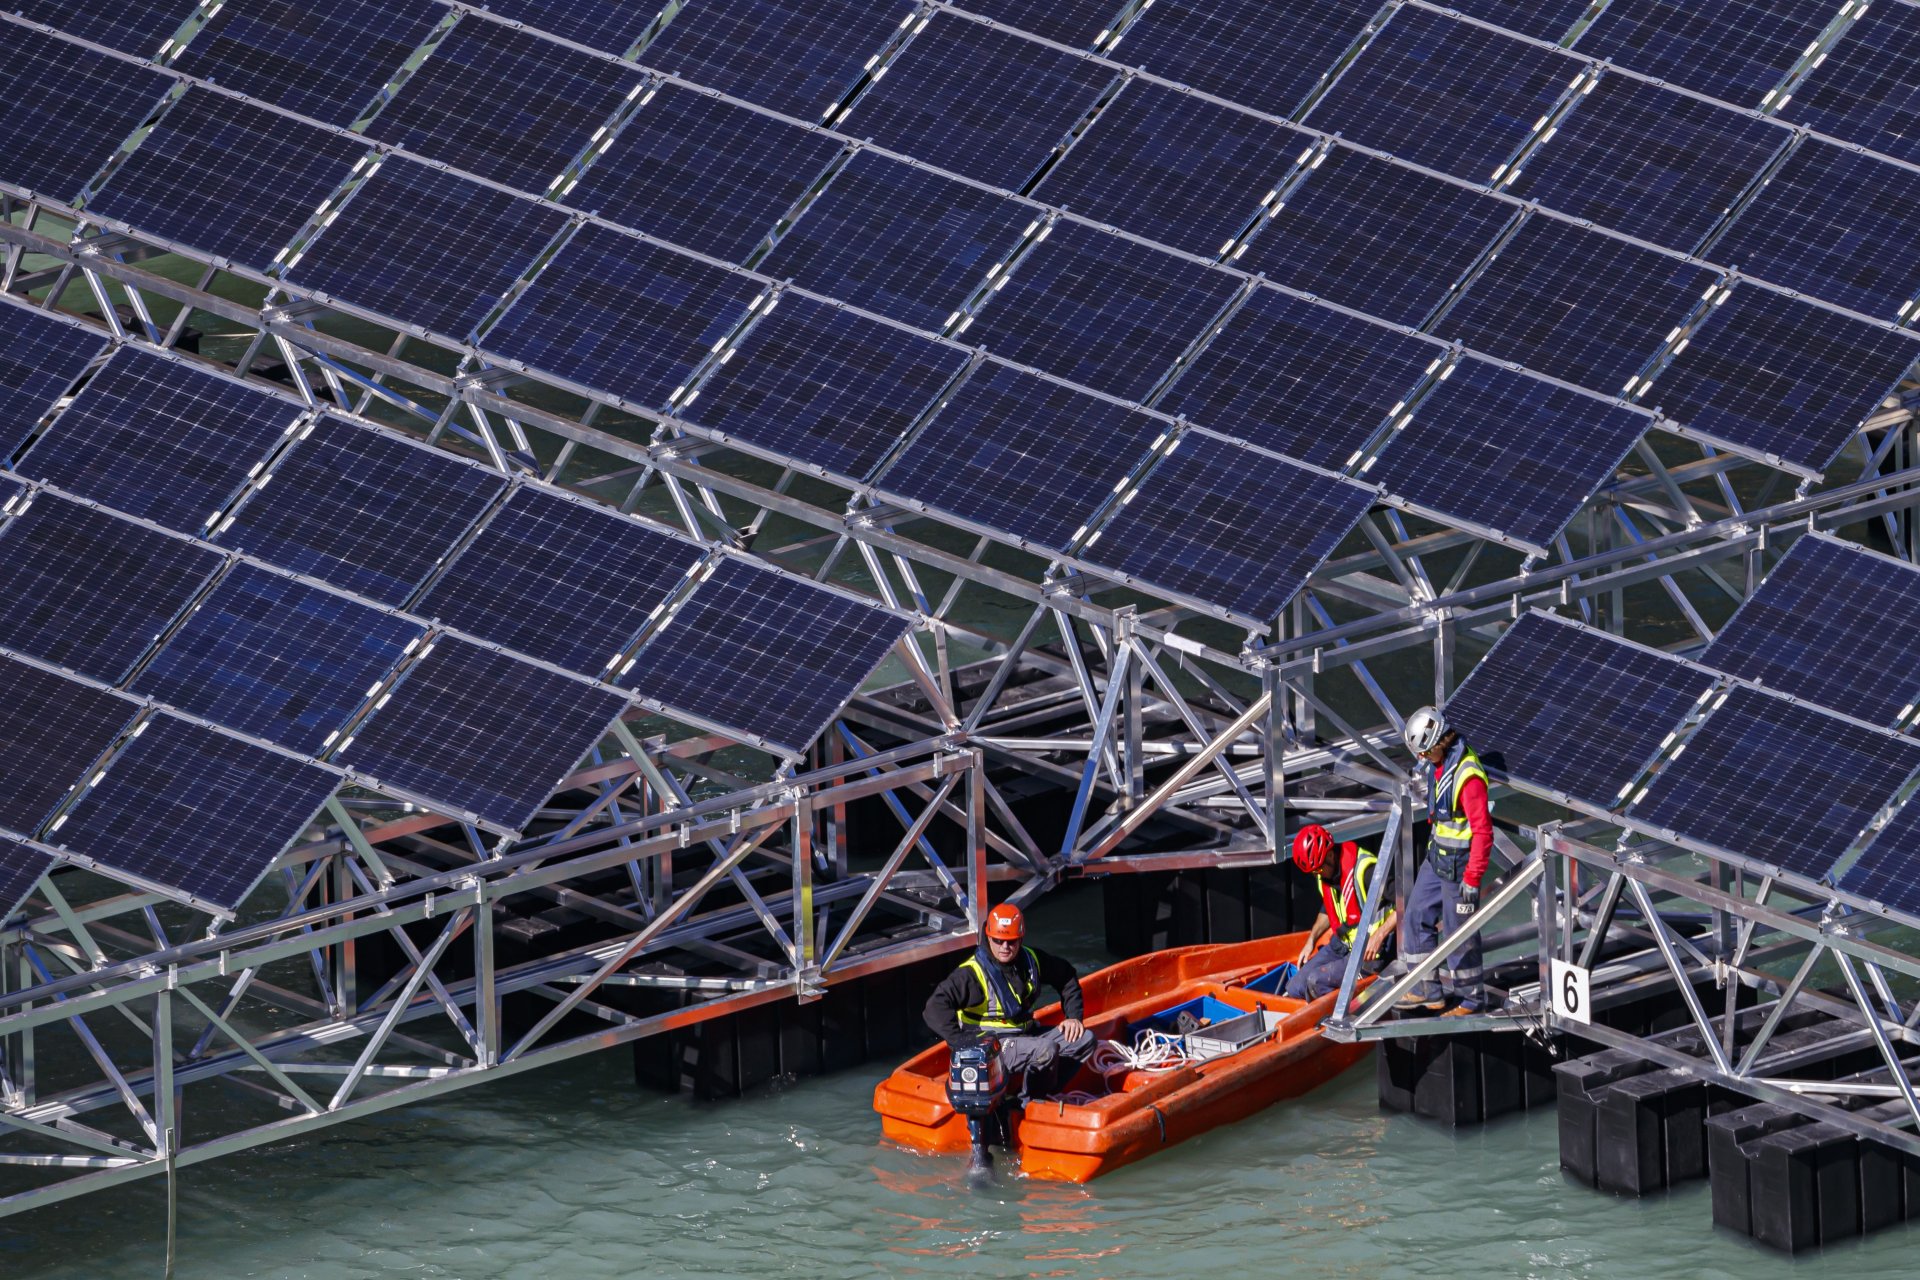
x,y
992,995
1343,893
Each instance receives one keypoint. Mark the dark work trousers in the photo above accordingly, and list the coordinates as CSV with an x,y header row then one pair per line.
x,y
1321,973
1431,920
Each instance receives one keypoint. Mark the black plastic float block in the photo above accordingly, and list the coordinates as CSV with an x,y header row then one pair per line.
x,y
1882,1197
1227,893
757,1046
1728,1160
1270,902
1399,1064
1448,1090
800,1049
1578,1081
1805,1187
1649,1132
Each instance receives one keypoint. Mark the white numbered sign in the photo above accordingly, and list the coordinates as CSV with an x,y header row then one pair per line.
x,y
1570,995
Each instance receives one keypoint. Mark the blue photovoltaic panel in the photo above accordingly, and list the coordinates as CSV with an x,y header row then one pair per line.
x,y
1573,710
90,591
1836,224
795,56
1018,453
899,240
361,509
481,732
1265,55
1867,89
617,314
560,580
611,25
1648,161
1223,524
1834,624
1776,375
980,102
1101,311
322,58
1541,19
427,247
1300,379
277,659
20,869
1506,451
761,652
160,439
703,172
1736,50
1889,871
65,110
1172,167
138,27
504,104
1376,237
1576,304
825,386
1074,22
192,809
1445,94
39,359
52,731
1790,786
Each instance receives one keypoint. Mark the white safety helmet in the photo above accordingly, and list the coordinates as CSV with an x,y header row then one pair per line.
x,y
1424,730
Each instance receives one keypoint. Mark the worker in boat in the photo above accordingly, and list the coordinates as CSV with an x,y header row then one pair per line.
x,y
993,994
1343,893
1446,890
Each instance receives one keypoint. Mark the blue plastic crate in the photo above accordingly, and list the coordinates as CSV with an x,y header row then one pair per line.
x,y
1207,1009
1271,982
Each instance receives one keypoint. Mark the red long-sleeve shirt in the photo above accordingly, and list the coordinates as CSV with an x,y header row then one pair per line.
x,y
1473,807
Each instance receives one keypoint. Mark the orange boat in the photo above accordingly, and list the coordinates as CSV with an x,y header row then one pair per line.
x,y
1239,1064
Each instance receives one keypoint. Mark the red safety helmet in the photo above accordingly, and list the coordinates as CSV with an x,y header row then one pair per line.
x,y
1006,924
1311,848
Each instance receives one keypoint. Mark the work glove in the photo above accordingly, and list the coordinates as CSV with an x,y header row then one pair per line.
x,y
1468,901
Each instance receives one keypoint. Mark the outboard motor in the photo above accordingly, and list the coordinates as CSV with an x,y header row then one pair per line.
x,y
976,1086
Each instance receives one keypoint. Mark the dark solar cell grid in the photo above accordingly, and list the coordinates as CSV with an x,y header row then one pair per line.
x,y
1868,89
1018,453
1172,167
192,809
757,651
277,659
1736,50
609,25
1649,162
20,869
1265,55
796,56
1228,526
504,104
39,359
1376,237
1787,785
704,173
1541,19
1833,624
1507,451
898,240
563,581
1445,94
322,58
160,440
361,510
138,27
825,386
481,732
1889,871
1778,375
1074,22
89,591
1300,379
52,730
623,316
980,102
1576,304
1572,709
65,110
1101,311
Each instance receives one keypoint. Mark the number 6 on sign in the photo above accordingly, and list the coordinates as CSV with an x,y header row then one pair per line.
x,y
1570,992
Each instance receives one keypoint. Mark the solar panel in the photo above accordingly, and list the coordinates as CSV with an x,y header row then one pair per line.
x,y
322,58
1228,526
1886,873
1444,94
138,27
1506,451
900,240
188,808
1576,304
91,592
1649,162
505,104
39,359
1541,19
361,509
1018,453
1737,50
621,315
52,731
1834,624
1265,55
795,56
1074,22
277,659
1788,785
612,25
702,172
1101,311
1865,89
978,101
825,386
1836,224
430,248
160,439
771,655
481,732
1172,167
65,110
21,867
561,580
1780,376
1377,237
1571,709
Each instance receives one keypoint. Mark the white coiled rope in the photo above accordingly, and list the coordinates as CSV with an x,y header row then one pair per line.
x,y
1151,1051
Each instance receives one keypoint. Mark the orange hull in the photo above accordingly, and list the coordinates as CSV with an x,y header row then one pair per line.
x,y
1148,1111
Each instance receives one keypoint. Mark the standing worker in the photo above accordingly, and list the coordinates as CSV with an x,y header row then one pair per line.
x,y
1446,892
1343,894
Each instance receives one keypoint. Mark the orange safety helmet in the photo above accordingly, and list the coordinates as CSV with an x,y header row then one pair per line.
x,y
1311,847
1006,924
